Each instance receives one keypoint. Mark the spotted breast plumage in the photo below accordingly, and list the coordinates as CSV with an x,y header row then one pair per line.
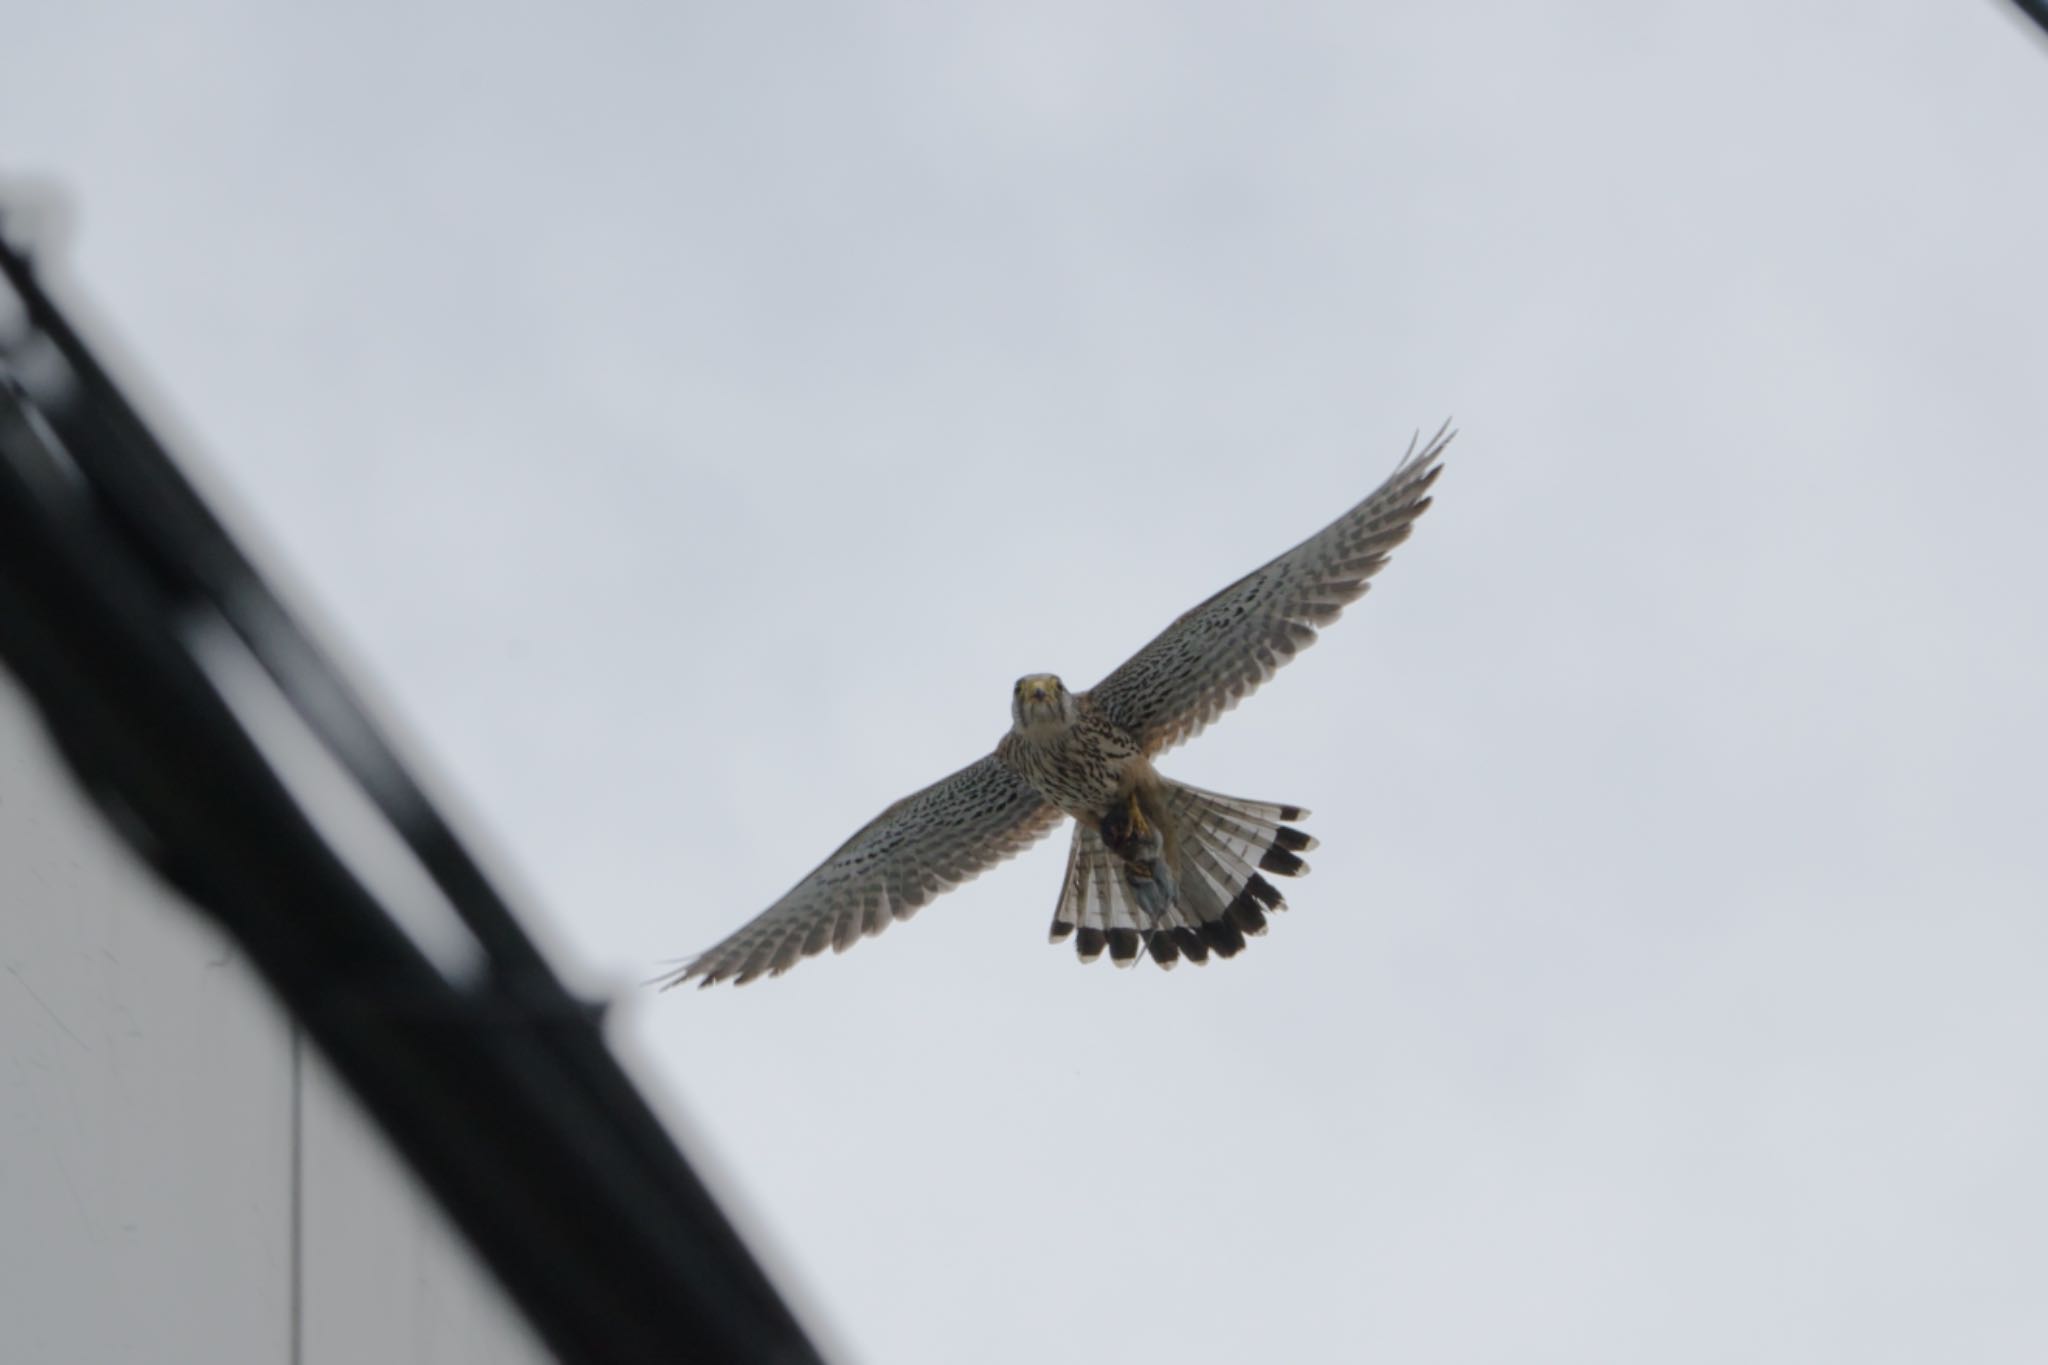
x,y
1157,868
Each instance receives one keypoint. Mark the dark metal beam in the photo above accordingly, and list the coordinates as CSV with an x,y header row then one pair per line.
x,y
499,1091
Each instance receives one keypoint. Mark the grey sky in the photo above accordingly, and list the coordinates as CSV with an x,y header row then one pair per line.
x,y
693,419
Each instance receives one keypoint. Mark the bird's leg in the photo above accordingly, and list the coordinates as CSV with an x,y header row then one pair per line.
x,y
1127,832
1141,846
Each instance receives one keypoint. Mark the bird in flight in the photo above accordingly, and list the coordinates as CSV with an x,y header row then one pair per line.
x,y
1156,867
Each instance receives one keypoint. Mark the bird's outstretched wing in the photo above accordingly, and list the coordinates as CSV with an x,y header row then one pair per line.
x,y
1214,656
921,847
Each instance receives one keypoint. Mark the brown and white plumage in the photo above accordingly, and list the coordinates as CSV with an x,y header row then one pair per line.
x,y
1156,866
1226,842
1215,655
921,847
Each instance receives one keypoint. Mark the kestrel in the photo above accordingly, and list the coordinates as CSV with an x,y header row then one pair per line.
x,y
1156,866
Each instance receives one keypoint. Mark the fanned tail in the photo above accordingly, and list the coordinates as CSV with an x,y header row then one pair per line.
x,y
1096,904
1218,846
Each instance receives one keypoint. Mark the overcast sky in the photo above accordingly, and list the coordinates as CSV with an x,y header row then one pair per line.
x,y
691,419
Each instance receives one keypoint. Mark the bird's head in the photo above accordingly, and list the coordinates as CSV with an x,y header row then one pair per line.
x,y
1041,699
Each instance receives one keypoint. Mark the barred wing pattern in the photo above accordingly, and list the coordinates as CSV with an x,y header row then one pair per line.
x,y
1217,654
921,847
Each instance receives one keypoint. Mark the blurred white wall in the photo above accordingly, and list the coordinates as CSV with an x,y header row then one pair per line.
x,y
157,1205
